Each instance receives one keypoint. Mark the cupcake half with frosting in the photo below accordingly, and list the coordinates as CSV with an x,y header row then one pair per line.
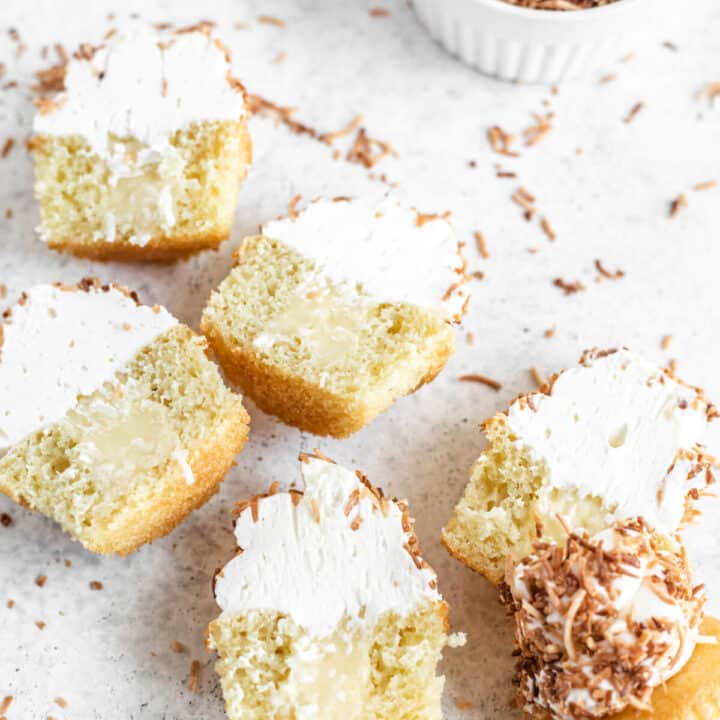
x,y
113,422
328,610
140,150
610,626
611,439
332,315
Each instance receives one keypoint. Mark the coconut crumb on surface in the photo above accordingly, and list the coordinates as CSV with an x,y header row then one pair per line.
x,y
666,341
526,201
178,647
292,206
368,151
379,12
677,204
10,604
560,4
5,704
40,580
42,625
482,380
549,333
608,77
261,106
569,288
6,520
272,20
7,147
96,585
8,213
539,129
547,229
469,338
634,110
61,702
710,92
464,705
537,376
706,185
481,244
330,137
500,141
193,683
605,273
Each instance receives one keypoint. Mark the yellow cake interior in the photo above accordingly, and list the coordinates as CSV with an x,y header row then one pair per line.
x,y
271,668
508,493
176,201
357,355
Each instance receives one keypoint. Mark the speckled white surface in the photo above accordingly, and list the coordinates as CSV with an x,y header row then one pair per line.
x,y
109,653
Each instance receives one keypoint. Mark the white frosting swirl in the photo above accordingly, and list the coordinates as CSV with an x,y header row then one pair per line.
x,y
618,428
331,553
58,344
389,250
143,85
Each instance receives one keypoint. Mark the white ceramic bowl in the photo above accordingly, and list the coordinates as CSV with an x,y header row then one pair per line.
x,y
538,46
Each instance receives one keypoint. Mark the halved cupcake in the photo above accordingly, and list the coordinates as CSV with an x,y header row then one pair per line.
x,y
328,610
141,155
113,422
611,439
329,317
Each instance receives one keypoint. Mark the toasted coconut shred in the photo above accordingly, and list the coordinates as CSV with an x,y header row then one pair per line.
x,y
586,648
560,4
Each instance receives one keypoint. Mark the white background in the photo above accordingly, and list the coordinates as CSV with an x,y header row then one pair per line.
x,y
605,186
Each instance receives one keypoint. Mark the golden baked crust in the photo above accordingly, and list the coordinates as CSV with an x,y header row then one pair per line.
x,y
159,249
210,462
295,400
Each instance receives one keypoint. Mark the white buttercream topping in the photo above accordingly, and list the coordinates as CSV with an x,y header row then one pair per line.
x,y
613,428
388,250
59,344
143,85
632,596
312,558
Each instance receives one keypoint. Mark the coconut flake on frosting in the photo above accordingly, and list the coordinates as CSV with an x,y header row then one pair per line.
x,y
338,550
602,621
61,342
619,428
394,253
143,85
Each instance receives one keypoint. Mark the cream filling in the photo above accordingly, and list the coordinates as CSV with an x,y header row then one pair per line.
x,y
328,677
131,437
326,328
142,193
